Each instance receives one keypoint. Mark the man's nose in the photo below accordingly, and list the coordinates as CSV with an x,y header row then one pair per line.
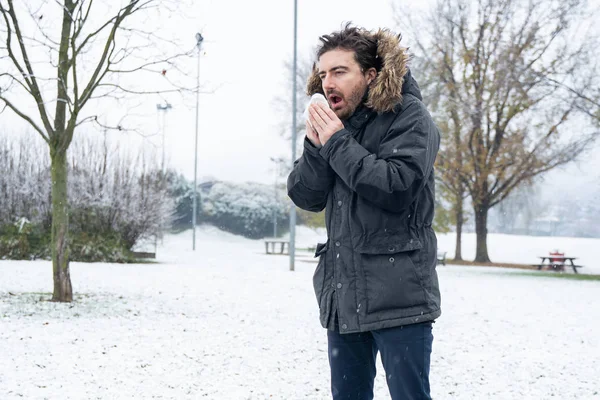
x,y
328,83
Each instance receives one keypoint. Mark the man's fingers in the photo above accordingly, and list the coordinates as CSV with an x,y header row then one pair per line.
x,y
310,132
315,128
321,110
327,113
310,124
309,129
317,119
330,113
313,122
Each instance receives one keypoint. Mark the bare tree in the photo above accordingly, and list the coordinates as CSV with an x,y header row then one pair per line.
x,y
52,71
442,98
452,168
115,192
117,189
283,102
516,213
24,181
518,82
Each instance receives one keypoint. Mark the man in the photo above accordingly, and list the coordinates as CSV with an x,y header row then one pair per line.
x,y
368,159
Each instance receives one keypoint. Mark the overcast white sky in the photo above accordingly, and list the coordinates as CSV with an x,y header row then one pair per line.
x,y
246,45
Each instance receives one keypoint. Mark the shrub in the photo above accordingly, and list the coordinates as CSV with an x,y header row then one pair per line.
x,y
247,209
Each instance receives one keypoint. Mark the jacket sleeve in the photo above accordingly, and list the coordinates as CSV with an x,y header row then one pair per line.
x,y
311,180
393,178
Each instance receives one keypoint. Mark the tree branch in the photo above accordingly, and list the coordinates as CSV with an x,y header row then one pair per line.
x,y
14,79
94,81
149,64
24,116
142,92
32,82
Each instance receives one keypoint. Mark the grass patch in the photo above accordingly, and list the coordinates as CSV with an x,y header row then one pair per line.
x,y
558,275
528,270
10,293
143,261
490,264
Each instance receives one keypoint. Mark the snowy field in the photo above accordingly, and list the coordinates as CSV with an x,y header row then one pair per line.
x,y
229,322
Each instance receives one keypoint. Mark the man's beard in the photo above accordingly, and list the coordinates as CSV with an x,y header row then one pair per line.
x,y
354,100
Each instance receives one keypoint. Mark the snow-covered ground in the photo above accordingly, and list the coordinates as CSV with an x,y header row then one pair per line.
x,y
228,322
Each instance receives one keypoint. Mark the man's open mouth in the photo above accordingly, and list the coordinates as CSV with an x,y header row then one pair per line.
x,y
335,100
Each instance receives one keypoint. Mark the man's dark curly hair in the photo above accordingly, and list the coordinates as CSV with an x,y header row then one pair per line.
x,y
354,39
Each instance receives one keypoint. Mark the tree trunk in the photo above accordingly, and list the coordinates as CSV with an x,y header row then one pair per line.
x,y
63,291
459,215
481,215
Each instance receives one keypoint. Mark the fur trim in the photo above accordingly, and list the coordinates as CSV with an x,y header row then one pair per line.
x,y
386,90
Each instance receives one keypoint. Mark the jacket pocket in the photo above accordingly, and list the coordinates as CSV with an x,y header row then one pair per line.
x,y
319,275
393,277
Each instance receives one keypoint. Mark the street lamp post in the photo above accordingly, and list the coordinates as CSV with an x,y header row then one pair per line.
x,y
164,108
199,40
292,246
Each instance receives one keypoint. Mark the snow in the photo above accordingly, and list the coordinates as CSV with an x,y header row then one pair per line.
x,y
229,322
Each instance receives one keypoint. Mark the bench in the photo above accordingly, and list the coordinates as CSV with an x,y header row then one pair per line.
x,y
270,245
441,257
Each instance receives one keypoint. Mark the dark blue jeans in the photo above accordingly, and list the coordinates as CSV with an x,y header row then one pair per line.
x,y
405,354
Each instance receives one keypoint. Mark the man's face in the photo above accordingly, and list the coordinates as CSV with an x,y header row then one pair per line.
x,y
343,82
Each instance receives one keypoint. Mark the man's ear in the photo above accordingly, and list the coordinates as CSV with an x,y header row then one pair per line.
x,y
371,74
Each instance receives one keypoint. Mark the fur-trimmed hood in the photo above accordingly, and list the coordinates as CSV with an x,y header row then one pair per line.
x,y
391,82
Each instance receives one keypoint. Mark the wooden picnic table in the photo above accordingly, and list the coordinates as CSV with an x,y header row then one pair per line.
x,y
557,263
271,243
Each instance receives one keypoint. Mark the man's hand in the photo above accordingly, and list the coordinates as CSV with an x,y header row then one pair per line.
x,y
312,136
324,121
